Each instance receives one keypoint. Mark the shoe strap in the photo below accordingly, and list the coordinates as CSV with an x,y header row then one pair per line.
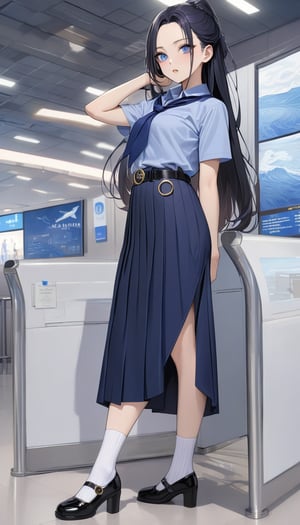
x,y
167,485
97,488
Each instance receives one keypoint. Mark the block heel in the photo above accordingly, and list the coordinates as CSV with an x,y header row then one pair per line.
x,y
190,497
113,503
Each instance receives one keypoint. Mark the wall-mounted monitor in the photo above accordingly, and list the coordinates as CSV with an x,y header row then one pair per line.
x,y
55,231
11,245
13,221
279,146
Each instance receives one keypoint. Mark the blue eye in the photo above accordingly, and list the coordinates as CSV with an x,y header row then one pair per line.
x,y
185,49
162,57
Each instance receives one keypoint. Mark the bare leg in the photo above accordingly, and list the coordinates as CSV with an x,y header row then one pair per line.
x,y
120,421
122,417
191,402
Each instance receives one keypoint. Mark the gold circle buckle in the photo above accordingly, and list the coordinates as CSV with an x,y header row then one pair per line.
x,y
99,490
139,176
167,193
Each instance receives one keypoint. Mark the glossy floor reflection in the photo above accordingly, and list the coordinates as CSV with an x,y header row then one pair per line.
x,y
222,495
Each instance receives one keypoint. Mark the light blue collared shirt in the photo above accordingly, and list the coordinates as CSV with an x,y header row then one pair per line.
x,y
182,136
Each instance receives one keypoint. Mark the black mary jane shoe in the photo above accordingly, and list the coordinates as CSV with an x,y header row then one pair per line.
x,y
76,509
187,486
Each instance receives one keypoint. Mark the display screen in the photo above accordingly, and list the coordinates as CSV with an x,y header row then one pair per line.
x,y
279,146
11,245
56,231
282,276
11,222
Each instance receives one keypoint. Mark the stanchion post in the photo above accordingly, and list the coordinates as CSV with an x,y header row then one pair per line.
x,y
232,243
19,362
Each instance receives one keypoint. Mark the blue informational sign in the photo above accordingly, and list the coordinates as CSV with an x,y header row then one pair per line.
x,y
11,222
100,225
283,223
56,231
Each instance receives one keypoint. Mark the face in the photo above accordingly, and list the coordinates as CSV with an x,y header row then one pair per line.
x,y
173,53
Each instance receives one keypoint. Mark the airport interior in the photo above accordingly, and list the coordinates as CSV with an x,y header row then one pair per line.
x,y
61,234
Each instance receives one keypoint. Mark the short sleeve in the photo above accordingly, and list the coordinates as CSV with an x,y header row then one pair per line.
x,y
214,140
133,112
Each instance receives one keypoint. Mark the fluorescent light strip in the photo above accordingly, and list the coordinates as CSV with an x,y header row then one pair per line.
x,y
244,6
91,154
21,177
57,199
7,83
94,91
50,164
7,209
40,191
104,145
75,185
27,139
69,117
169,2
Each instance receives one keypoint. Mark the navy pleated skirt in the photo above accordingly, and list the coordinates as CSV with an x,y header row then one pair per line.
x,y
164,268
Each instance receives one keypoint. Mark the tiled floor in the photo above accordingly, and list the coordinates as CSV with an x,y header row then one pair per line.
x,y
222,495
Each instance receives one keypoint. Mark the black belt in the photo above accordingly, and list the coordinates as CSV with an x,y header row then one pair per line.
x,y
163,174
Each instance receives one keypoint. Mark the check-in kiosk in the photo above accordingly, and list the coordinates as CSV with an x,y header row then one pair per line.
x,y
270,269
60,316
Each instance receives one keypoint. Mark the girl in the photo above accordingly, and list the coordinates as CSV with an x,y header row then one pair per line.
x,y
160,348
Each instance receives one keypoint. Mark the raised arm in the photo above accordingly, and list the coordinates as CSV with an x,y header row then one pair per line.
x,y
209,198
106,108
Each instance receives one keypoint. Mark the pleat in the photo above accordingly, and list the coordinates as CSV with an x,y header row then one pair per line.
x,y
163,269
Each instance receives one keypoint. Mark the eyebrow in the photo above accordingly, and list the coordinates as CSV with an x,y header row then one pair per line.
x,y
175,42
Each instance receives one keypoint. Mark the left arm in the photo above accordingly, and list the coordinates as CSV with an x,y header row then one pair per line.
x,y
209,198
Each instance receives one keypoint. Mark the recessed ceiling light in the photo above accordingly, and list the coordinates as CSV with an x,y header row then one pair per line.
x,y
22,177
68,117
76,48
7,209
27,139
244,6
94,91
75,185
104,145
91,154
7,83
40,191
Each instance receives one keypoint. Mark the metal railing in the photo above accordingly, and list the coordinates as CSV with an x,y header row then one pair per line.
x,y
254,347
19,363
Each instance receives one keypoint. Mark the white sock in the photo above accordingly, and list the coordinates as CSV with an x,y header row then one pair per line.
x,y
104,469
182,462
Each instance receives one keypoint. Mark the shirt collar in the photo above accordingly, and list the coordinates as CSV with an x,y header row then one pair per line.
x,y
178,92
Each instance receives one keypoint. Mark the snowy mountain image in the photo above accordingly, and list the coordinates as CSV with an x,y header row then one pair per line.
x,y
279,188
279,114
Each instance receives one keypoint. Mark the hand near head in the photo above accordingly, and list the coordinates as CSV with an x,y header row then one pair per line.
x,y
162,82
159,81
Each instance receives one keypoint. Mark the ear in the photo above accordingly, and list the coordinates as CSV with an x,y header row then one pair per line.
x,y
208,53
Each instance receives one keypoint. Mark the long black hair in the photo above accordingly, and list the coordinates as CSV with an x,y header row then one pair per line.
x,y
235,180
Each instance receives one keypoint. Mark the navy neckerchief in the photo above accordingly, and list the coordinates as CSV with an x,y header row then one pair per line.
x,y
138,137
